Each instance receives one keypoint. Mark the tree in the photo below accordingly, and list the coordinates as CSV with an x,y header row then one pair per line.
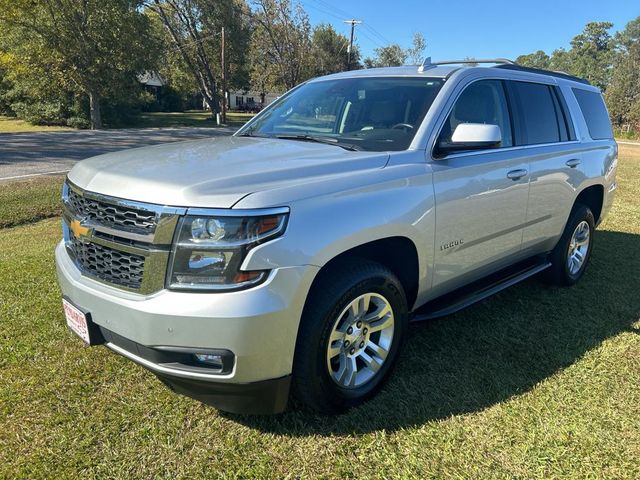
x,y
538,59
592,53
194,35
281,41
416,51
91,46
394,55
390,56
330,51
623,94
561,61
629,36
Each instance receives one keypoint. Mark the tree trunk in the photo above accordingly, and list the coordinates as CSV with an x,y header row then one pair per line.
x,y
94,107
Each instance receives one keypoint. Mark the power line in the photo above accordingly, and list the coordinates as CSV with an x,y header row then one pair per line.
x,y
335,9
377,34
346,14
326,12
371,38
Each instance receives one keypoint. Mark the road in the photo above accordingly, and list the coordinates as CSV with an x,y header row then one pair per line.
x,y
24,155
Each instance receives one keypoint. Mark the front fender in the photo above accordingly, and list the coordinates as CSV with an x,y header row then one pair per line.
x,y
399,204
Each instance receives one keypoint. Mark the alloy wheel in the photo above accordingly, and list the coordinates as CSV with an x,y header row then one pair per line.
x,y
360,340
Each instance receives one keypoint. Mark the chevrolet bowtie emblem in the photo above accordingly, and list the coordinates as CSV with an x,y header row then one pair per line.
x,y
78,229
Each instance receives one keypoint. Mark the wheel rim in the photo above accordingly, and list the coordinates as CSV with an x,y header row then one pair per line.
x,y
360,340
578,247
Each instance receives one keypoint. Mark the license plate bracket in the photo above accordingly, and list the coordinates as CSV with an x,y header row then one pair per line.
x,y
80,323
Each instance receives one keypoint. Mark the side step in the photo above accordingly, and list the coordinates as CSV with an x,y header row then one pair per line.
x,y
479,290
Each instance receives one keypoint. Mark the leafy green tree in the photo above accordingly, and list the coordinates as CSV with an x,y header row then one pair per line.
x,y
394,55
93,47
592,53
330,51
629,36
390,56
537,59
193,42
281,44
561,60
623,94
5,87
415,53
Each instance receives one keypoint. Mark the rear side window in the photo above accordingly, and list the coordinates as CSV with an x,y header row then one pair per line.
x,y
564,117
594,113
538,119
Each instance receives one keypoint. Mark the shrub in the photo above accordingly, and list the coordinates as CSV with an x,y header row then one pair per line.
x,y
78,122
52,113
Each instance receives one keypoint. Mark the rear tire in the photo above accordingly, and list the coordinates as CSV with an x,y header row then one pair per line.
x,y
352,328
570,256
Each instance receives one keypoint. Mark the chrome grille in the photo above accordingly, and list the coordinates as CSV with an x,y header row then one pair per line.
x,y
120,242
108,264
111,215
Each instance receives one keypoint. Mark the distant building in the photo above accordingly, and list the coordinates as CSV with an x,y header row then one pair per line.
x,y
246,101
250,101
151,79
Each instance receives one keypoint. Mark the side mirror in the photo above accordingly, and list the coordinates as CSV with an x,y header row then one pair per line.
x,y
471,136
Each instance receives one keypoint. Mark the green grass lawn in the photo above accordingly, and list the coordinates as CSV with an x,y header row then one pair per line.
x,y
535,382
30,200
193,118
14,125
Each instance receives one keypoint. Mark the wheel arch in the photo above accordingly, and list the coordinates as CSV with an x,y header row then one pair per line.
x,y
592,197
397,253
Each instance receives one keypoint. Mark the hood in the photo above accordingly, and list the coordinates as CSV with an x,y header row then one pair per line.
x,y
216,172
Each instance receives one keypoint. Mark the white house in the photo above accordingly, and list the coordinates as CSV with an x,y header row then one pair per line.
x,y
240,100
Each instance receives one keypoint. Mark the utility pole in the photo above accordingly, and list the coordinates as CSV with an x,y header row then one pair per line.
x,y
224,82
350,47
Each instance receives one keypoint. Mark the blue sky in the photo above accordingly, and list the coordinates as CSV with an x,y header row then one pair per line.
x,y
468,28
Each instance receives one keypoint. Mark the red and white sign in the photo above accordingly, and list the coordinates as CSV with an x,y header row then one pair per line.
x,y
76,320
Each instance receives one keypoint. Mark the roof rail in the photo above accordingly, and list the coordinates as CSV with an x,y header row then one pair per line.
x,y
427,63
566,76
501,63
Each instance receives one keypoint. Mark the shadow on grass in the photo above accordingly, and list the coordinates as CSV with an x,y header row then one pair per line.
x,y
494,350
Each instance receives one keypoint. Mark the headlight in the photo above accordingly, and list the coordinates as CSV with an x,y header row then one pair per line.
x,y
209,250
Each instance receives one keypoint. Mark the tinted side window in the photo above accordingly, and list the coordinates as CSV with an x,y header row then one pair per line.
x,y
566,115
538,120
481,102
594,113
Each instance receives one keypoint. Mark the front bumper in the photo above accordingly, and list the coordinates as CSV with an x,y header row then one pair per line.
x,y
259,326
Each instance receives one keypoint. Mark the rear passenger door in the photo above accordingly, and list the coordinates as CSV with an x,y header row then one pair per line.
x,y
480,195
545,130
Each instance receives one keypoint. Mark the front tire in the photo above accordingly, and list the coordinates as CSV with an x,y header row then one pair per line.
x,y
570,256
351,331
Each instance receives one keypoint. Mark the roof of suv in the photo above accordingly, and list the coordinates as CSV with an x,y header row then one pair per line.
x,y
405,71
444,70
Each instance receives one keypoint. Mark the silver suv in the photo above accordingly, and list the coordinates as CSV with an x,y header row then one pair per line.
x,y
290,258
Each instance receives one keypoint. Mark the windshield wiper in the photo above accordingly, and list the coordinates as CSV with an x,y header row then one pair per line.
x,y
319,139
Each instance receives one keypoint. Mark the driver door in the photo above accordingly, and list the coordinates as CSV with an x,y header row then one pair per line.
x,y
480,195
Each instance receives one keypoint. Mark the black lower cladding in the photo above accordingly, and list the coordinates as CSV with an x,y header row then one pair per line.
x,y
255,398
258,398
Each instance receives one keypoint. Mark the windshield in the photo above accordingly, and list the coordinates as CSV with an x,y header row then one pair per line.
x,y
375,114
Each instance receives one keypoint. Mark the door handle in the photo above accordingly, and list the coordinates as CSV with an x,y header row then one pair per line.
x,y
573,163
517,174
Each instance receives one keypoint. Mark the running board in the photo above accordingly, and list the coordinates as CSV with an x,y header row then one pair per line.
x,y
481,289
